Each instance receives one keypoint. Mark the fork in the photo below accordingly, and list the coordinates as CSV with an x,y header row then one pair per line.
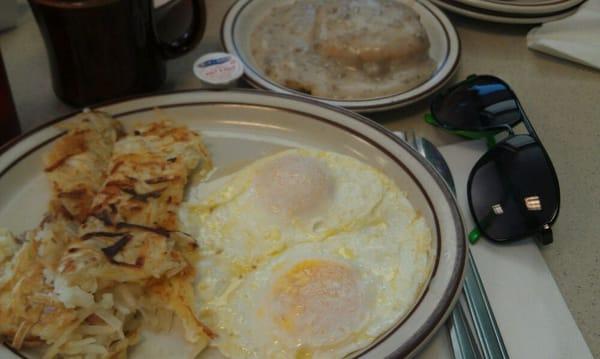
x,y
488,342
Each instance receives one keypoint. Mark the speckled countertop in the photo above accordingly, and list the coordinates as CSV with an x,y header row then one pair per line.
x,y
562,100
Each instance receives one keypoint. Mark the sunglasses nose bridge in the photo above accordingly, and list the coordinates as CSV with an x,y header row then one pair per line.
x,y
504,127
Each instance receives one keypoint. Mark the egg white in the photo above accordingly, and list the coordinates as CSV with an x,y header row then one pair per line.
x,y
237,223
392,259
362,235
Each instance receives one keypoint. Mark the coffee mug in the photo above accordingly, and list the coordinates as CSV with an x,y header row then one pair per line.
x,y
103,49
9,123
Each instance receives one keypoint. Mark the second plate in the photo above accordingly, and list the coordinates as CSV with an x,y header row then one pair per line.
x,y
245,15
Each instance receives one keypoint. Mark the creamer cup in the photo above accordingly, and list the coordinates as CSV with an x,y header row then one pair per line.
x,y
218,69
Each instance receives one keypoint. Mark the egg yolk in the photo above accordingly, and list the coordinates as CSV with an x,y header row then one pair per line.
x,y
293,186
318,302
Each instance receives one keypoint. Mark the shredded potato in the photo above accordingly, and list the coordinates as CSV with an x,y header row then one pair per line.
x,y
76,164
110,261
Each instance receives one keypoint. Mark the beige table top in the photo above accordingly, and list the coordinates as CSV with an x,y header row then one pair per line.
x,y
562,100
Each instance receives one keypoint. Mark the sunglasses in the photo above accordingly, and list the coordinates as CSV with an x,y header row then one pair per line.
x,y
513,189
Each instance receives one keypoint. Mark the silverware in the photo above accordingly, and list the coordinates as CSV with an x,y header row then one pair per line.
x,y
464,345
489,342
485,323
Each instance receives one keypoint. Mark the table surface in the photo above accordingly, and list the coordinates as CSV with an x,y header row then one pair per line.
x,y
562,100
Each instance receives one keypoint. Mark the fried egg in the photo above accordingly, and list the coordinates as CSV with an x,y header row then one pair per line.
x,y
305,254
291,197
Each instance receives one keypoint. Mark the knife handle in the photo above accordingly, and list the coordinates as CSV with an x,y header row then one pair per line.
x,y
464,345
492,344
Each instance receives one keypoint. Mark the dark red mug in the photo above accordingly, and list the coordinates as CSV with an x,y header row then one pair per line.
x,y
103,49
9,123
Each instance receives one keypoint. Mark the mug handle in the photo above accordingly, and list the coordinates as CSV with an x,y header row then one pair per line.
x,y
192,36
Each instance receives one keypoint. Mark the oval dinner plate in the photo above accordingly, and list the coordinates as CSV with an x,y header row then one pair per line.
x,y
245,15
493,16
520,7
243,125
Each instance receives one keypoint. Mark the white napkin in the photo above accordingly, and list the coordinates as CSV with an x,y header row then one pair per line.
x,y
529,308
575,38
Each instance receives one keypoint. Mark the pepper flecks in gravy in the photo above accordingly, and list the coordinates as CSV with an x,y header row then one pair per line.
x,y
343,49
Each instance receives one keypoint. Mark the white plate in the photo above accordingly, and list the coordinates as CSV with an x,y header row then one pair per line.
x,y
240,126
244,16
527,7
499,17
8,13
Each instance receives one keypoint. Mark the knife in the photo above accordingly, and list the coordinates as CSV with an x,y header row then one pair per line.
x,y
489,343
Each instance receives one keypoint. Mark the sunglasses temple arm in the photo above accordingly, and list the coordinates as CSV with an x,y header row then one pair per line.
x,y
545,237
526,122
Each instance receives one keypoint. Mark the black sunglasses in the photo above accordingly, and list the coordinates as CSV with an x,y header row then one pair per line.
x,y
513,190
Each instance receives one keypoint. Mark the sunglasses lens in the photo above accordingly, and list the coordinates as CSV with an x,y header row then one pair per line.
x,y
513,190
478,104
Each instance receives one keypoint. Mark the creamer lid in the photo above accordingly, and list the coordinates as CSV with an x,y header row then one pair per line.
x,y
218,68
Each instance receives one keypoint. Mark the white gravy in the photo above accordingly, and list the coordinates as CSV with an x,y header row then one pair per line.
x,y
343,49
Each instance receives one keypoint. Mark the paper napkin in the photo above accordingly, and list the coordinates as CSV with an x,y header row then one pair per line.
x,y
575,38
